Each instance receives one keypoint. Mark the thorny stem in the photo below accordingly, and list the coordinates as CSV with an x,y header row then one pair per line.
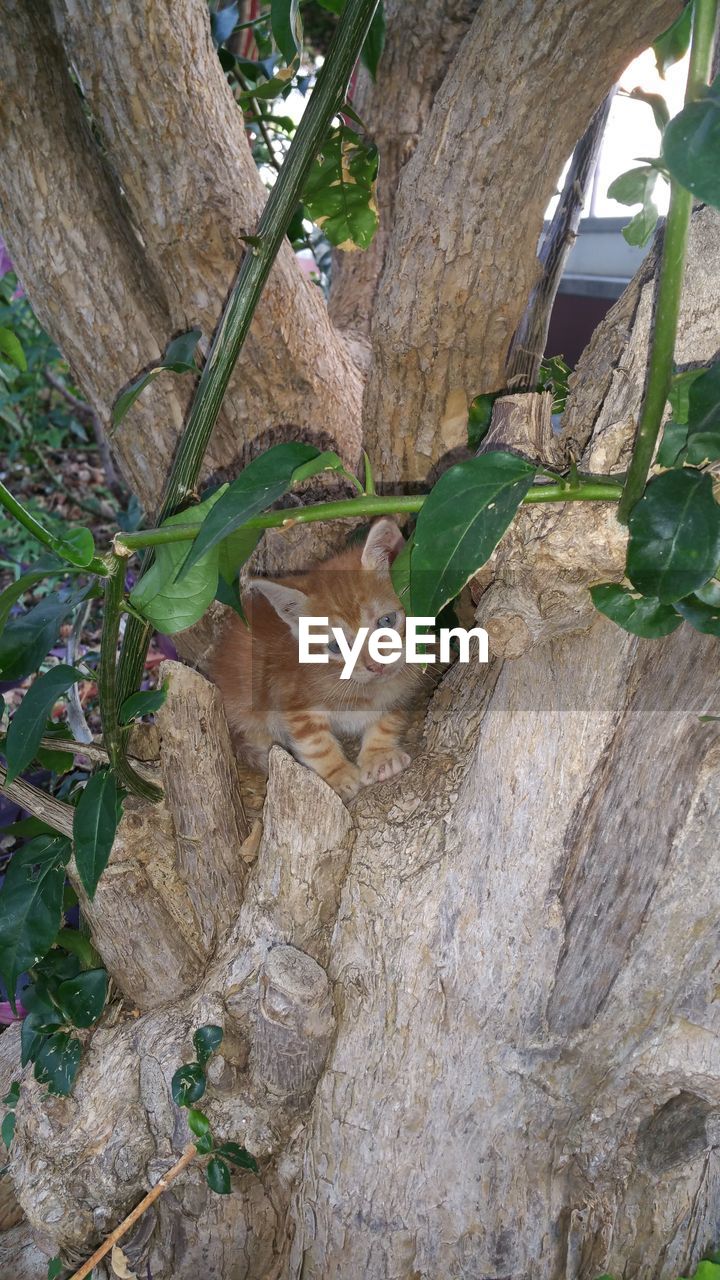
x,y
368,505
113,735
671,278
327,97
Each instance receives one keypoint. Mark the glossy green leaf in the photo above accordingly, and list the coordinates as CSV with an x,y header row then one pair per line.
x,y
339,191
674,543
198,1123
179,357
57,761
286,25
188,1084
11,348
7,1131
218,1177
31,1040
238,1156
480,417
235,551
691,147
635,186
674,439
94,825
328,461
640,615
461,522
205,1143
261,483
400,573
206,1041
25,640
700,614
31,905
710,593
702,447
55,1267
28,724
142,703
82,999
57,1062
46,567
640,228
12,1097
169,602
78,546
673,44
703,416
371,51
679,394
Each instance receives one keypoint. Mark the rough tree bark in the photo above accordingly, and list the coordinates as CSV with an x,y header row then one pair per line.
x,y
470,1021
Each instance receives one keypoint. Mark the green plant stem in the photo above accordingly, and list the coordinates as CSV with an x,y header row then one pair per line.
x,y
368,505
325,100
38,531
114,737
667,307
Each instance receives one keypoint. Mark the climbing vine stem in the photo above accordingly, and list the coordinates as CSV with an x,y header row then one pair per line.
x,y
667,309
325,100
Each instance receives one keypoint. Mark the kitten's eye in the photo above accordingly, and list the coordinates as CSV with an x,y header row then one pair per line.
x,y
333,646
387,620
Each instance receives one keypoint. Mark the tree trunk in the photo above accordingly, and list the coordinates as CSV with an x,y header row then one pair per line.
x,y
469,1020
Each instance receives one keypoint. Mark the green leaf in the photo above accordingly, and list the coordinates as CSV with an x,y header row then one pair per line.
x,y
371,52
673,44
7,1131
188,1084
706,1270
480,417
179,357
656,103
31,905
265,480
710,593
702,616
169,603
31,1040
26,640
679,393
674,439
28,724
48,566
691,147
238,1156
204,1144
82,999
55,1266
218,1177
702,447
554,376
286,25
640,228
640,615
198,1123
57,1062
142,703
206,1041
339,191
11,347
635,186
95,822
235,551
58,762
464,517
12,1097
400,572
78,547
674,544
328,461
703,415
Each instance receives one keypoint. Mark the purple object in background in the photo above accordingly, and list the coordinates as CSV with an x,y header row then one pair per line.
x,y
166,647
6,1014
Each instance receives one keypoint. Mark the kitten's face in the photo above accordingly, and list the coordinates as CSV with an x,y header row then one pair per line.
x,y
352,592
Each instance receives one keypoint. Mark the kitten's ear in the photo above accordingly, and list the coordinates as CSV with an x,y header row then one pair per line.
x,y
382,544
287,602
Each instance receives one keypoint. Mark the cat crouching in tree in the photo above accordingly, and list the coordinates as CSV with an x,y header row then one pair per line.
x,y
270,697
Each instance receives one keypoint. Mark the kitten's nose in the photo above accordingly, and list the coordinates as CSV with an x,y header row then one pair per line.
x,y
375,667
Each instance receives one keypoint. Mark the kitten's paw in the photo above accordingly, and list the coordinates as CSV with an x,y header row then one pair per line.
x,y
345,780
380,766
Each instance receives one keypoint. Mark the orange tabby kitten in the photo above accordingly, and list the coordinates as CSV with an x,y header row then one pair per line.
x,y
271,697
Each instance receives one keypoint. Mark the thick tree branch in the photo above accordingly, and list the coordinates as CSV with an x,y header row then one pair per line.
x,y
470,207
